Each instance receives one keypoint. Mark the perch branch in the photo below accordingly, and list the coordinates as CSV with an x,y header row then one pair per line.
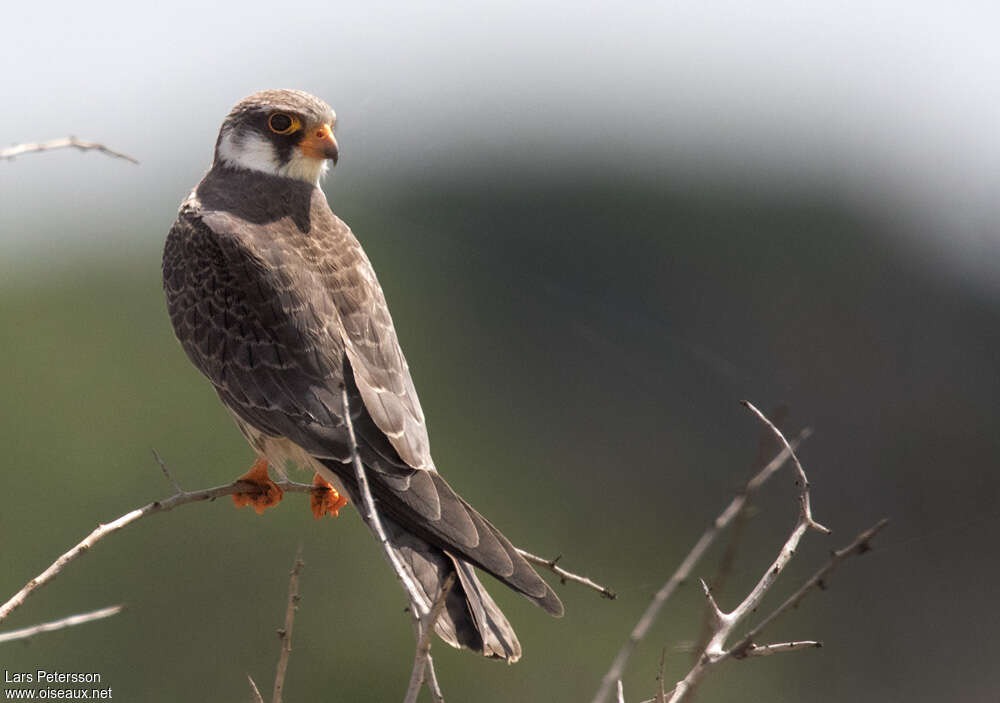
x,y
735,508
285,633
71,621
102,531
64,143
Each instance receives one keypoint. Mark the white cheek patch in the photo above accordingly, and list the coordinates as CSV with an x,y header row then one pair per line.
x,y
249,151
252,151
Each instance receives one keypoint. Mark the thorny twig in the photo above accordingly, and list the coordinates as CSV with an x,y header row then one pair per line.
x,y
723,623
735,507
860,545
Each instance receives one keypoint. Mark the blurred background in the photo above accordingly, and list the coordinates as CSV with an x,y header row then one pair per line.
x,y
598,226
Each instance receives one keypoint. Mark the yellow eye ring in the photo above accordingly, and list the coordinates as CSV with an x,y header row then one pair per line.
x,y
283,123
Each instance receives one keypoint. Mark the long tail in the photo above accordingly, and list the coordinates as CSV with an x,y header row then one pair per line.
x,y
435,532
471,618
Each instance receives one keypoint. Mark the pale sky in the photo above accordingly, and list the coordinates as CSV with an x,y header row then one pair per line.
x,y
897,102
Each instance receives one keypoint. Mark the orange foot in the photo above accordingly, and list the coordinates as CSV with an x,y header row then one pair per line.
x,y
325,499
262,492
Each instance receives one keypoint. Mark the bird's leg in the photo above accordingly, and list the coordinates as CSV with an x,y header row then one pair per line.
x,y
262,492
325,499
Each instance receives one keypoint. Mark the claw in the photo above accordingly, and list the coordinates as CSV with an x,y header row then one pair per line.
x,y
262,492
325,499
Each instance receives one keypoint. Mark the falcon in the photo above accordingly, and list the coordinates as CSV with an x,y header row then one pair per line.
x,y
273,299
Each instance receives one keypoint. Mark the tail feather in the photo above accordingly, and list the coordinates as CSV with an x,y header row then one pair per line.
x,y
470,619
454,527
435,533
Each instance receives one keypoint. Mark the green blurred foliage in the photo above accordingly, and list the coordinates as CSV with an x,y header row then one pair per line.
x,y
579,347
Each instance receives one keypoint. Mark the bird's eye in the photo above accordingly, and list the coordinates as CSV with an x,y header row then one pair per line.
x,y
280,123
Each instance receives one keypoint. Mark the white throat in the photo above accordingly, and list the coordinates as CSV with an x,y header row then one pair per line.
x,y
253,152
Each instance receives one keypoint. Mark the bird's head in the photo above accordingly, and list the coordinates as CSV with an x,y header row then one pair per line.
x,y
280,132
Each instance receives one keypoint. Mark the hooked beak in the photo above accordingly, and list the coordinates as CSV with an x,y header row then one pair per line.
x,y
319,143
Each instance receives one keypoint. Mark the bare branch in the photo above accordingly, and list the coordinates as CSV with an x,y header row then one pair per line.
x,y
257,698
683,571
432,682
71,621
286,632
102,531
724,623
65,143
565,576
423,651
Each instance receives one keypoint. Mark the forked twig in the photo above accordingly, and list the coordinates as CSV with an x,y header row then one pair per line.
x,y
860,545
723,624
726,622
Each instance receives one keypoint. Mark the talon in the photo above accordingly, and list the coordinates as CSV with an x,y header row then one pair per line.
x,y
325,499
262,493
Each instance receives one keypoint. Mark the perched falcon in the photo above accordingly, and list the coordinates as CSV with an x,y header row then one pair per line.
x,y
275,302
